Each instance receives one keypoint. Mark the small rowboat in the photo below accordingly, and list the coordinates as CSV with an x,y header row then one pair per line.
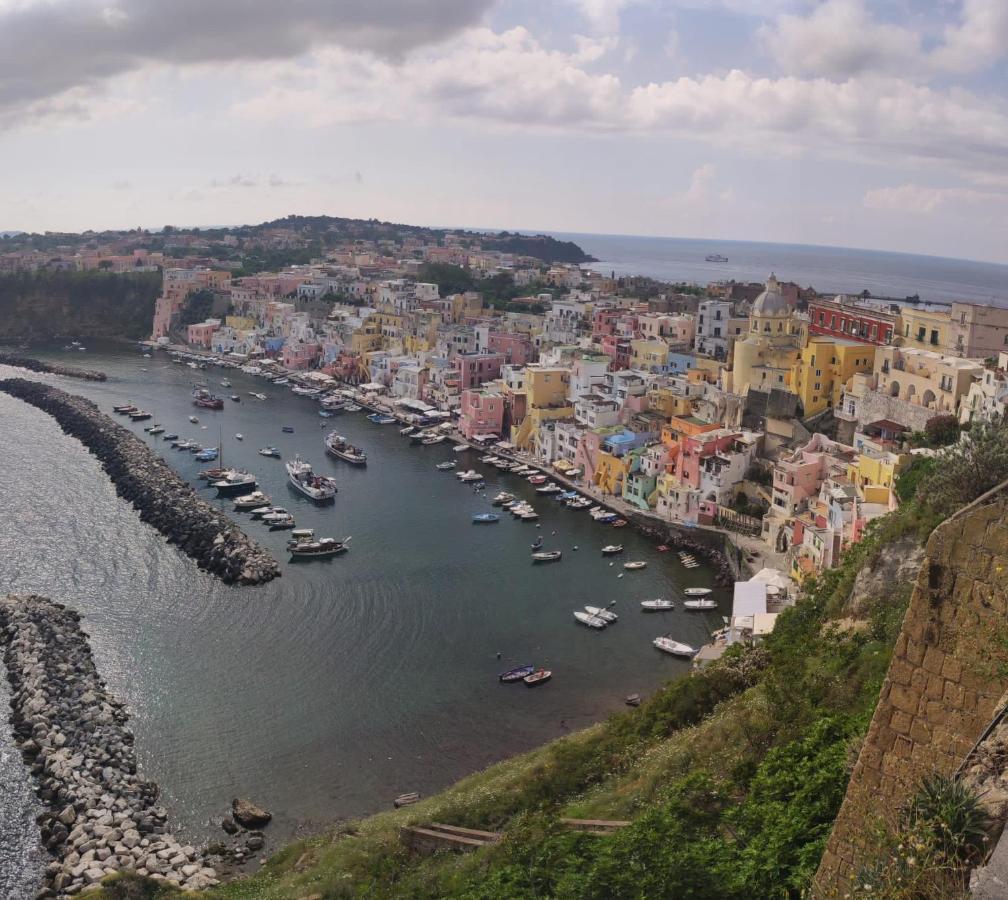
x,y
538,677
485,518
656,605
697,592
610,549
634,566
547,556
606,615
674,647
516,674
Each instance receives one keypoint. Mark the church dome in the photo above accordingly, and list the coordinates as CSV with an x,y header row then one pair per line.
x,y
771,302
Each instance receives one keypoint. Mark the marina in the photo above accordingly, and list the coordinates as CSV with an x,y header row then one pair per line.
x,y
338,621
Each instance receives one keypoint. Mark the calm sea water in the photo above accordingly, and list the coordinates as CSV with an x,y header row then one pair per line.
x,y
828,269
346,682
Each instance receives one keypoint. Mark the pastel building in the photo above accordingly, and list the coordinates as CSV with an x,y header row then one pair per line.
x,y
482,412
475,369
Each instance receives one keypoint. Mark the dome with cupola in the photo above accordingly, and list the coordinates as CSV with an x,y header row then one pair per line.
x,y
772,301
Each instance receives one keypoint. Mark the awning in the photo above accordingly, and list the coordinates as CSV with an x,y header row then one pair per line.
x,y
482,438
505,445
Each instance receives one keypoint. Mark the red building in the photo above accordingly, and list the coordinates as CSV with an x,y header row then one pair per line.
x,y
845,317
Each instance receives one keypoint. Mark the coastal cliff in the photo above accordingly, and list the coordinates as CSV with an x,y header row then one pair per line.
x,y
159,495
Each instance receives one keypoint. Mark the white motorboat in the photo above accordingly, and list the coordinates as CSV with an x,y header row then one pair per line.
x,y
676,648
251,501
446,466
408,430
319,488
433,439
656,605
700,604
193,419
234,483
279,521
550,488
696,591
269,451
611,549
634,566
459,448
589,620
502,498
469,475
239,437
600,612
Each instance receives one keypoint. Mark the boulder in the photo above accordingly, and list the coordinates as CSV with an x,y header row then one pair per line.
x,y
248,815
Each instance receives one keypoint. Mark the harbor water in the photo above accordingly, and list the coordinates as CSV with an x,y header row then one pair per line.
x,y
324,694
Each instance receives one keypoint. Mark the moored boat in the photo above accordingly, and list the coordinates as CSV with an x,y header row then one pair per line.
x,y
516,674
590,620
611,549
546,556
279,521
634,566
269,451
697,591
338,446
667,645
205,400
381,419
656,605
700,604
233,483
446,466
538,677
600,612
485,518
251,501
469,475
319,488
140,415
311,547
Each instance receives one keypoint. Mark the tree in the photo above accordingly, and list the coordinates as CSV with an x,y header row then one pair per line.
x,y
962,473
942,430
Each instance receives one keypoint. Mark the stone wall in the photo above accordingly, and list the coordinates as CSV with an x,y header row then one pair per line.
x,y
948,672
874,406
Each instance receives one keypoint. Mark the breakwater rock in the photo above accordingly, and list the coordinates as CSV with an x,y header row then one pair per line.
x,y
36,365
100,815
161,497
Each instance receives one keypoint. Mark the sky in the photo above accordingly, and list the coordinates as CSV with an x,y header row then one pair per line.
x,y
845,122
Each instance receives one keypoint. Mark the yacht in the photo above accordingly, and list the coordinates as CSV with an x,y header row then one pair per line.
x,y
319,488
305,545
251,501
279,521
233,483
338,446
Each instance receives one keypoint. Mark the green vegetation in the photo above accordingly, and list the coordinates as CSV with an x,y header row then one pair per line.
x,y
53,303
499,291
548,249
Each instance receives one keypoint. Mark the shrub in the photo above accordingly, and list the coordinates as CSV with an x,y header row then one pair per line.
x,y
953,814
964,472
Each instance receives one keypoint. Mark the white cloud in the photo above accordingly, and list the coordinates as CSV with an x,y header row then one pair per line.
x,y
924,200
978,40
700,184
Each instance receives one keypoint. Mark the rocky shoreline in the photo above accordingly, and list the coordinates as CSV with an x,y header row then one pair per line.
x,y
36,365
161,497
100,815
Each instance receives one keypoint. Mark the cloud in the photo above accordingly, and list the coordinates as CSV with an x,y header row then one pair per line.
x,y
840,39
49,48
252,181
923,200
700,184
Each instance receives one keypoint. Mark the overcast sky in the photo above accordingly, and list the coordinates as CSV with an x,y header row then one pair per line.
x,y
865,124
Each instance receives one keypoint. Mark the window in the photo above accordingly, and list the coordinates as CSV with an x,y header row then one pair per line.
x,y
934,336
818,372
818,386
921,331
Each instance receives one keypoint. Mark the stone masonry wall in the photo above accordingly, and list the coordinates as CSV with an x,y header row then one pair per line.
x,y
948,672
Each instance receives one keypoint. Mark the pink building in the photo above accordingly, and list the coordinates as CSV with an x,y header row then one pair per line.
x,y
298,355
482,413
799,476
201,335
515,348
476,368
696,449
618,350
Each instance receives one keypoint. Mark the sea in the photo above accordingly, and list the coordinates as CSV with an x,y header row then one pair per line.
x,y
329,691
830,270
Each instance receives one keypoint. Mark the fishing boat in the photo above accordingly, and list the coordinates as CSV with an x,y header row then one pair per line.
x,y
264,510
312,548
170,437
381,419
257,396
194,420
251,501
537,543
446,466
590,620
502,498
208,455
549,489
610,549
233,483
485,518
546,556
269,451
459,448
215,474
225,383
319,488
528,515
140,415
667,645
656,605
183,445
352,407
469,475
287,429
157,429
205,400
699,604
433,439
123,409
338,446
408,430
236,398
606,615
635,566
697,591
539,676
518,673
537,479
304,391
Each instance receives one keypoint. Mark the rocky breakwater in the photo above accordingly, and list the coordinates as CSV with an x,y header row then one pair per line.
x,y
101,816
161,497
36,365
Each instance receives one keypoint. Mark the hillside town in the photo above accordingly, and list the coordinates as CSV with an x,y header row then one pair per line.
x,y
767,410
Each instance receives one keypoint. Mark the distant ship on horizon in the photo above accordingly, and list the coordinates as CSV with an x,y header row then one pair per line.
x,y
715,257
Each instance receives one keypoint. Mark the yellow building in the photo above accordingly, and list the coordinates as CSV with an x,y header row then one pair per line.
x,y
668,403
240,323
366,338
825,367
545,389
648,355
924,328
766,357
877,469
610,472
